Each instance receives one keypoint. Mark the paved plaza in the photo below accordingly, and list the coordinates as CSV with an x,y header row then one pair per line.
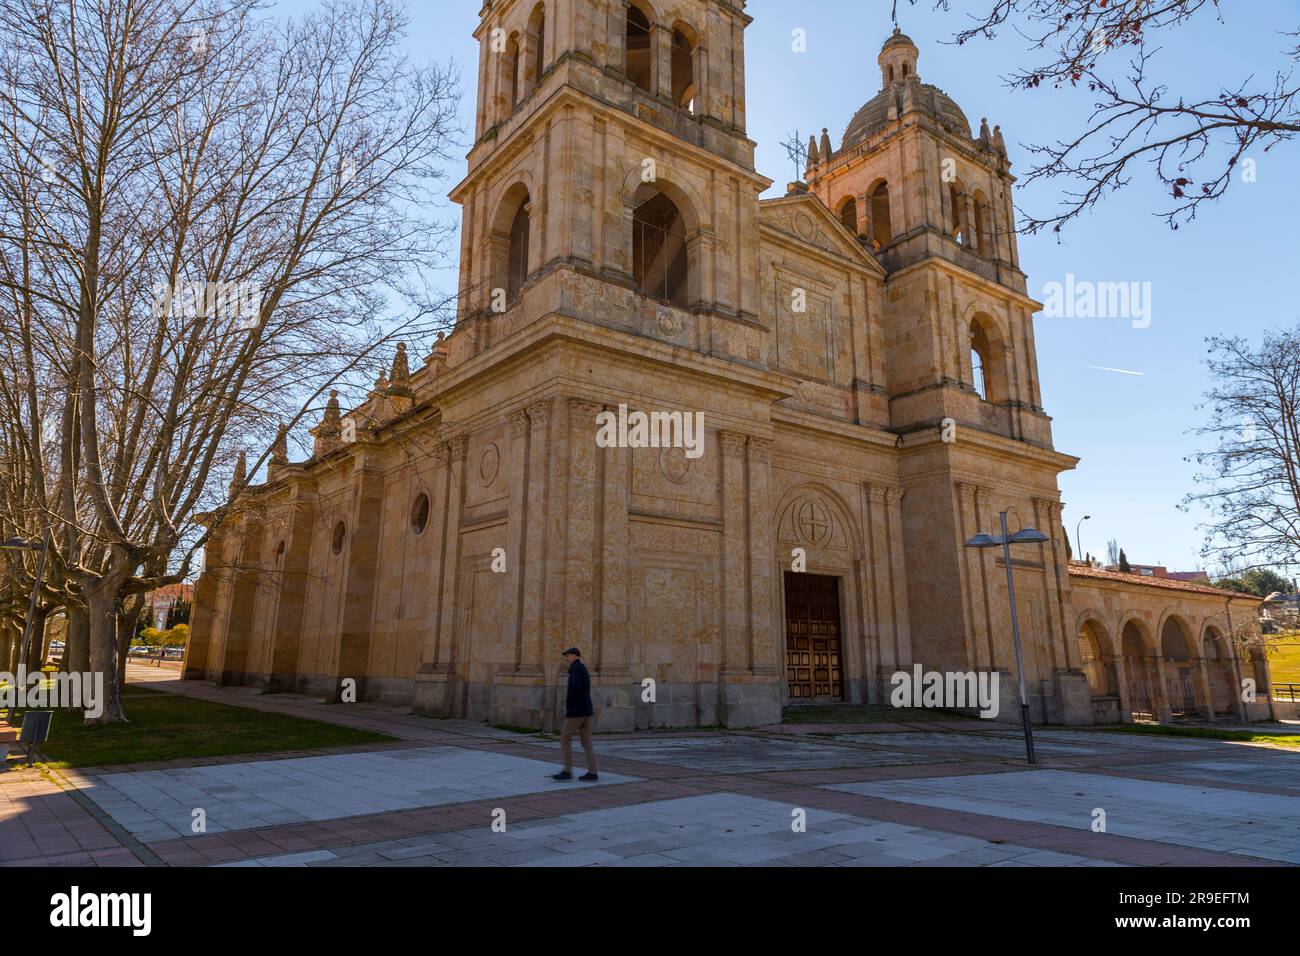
x,y
457,793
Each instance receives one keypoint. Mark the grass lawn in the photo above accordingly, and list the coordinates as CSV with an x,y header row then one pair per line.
x,y
1205,733
864,714
1284,659
169,727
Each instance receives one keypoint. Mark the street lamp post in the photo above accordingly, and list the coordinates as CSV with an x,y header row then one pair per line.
x,y
17,544
1078,542
1005,541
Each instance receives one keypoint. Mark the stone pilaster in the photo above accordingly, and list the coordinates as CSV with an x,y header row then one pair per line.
x,y
539,545
244,577
291,591
735,555
898,573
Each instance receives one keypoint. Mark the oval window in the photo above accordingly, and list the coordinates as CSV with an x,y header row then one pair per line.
x,y
340,530
420,513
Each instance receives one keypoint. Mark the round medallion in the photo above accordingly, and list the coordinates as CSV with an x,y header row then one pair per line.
x,y
813,521
674,464
667,324
489,463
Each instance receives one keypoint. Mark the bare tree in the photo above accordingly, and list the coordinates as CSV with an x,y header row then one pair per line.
x,y
205,220
1251,485
1193,141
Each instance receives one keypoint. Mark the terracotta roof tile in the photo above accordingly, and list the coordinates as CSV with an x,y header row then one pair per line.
x,y
1170,584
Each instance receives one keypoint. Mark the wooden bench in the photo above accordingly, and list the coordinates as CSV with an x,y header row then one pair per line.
x,y
8,739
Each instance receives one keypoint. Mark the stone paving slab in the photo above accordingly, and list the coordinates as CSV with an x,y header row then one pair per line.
x,y
738,753
158,804
1259,825
719,829
1281,773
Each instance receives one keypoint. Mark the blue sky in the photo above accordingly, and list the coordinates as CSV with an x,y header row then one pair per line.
x,y
1233,269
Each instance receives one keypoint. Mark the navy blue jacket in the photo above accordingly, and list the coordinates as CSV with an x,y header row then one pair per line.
x,y
578,701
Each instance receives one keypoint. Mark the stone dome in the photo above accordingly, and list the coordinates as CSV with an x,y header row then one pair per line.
x,y
897,38
874,115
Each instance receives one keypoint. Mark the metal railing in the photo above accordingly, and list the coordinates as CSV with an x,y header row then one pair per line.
x,y
1287,692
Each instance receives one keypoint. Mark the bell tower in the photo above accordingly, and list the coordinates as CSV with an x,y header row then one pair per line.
x,y
932,199
611,178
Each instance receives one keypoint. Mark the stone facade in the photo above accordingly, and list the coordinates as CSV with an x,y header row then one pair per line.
x,y
862,351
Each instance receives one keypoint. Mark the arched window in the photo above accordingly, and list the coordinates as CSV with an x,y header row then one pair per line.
x,y
849,215
640,53
338,537
517,261
882,229
1092,657
684,89
891,73
1173,642
979,355
659,259
1137,671
539,31
983,225
515,54
956,200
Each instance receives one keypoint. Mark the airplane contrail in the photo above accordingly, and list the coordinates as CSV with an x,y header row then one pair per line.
x,y
1122,371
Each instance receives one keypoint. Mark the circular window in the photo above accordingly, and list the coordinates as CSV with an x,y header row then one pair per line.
x,y
336,543
420,513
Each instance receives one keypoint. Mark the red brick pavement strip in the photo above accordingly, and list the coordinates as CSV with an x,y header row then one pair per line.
x,y
360,830
43,823
819,777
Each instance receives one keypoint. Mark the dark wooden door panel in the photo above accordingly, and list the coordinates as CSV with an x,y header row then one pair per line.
x,y
812,637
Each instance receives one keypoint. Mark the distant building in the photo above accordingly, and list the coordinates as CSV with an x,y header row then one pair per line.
x,y
160,601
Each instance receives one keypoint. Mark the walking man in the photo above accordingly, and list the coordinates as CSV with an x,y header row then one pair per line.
x,y
577,717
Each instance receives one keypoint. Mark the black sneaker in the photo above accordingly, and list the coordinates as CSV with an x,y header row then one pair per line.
x,y
562,775
589,776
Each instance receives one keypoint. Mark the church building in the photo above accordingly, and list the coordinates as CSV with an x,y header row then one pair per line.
x,y
858,354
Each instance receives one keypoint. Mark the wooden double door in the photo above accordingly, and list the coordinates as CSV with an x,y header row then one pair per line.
x,y
813,638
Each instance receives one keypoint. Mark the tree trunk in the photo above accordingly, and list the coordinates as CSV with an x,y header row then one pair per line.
x,y
101,600
127,619
11,638
76,644
34,656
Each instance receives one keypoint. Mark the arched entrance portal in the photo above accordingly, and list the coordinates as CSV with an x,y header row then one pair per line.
x,y
1137,672
813,645
1180,681
1218,666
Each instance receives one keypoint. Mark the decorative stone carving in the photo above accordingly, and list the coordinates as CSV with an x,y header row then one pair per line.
x,y
813,522
674,464
733,443
489,463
